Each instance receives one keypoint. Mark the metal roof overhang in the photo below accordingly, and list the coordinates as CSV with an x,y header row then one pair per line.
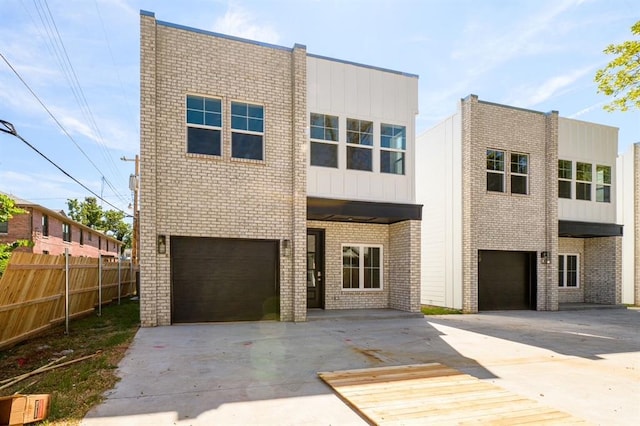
x,y
361,211
567,228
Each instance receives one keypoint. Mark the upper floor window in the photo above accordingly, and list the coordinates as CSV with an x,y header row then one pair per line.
x,y
247,124
583,181
568,270
495,170
66,232
393,144
81,237
324,140
204,125
519,173
99,243
603,184
359,144
361,267
45,225
565,176
4,227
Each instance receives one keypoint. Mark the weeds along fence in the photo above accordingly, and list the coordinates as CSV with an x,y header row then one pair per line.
x,y
38,291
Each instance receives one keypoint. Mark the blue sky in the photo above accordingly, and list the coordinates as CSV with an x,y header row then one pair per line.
x,y
536,54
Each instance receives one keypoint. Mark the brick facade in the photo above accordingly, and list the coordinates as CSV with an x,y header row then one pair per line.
x,y
602,272
531,224
84,240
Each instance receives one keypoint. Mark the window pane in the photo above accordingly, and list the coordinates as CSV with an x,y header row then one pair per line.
x,y
392,136
213,119
256,125
238,109
317,132
564,189
246,146
564,169
353,137
392,162
518,184
603,175
350,268
255,111
359,132
212,105
238,123
4,227
353,124
331,134
603,193
195,117
317,120
331,121
495,182
583,191
495,160
324,127
324,154
195,102
203,141
359,158
583,172
519,163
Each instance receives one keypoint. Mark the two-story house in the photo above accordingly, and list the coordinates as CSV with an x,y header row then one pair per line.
x,y
52,232
272,181
520,210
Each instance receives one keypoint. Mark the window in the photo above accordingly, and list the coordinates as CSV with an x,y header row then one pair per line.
x,y
568,270
204,125
359,144
81,237
99,243
519,173
247,124
4,227
393,143
66,232
583,181
361,267
45,251
565,174
495,170
603,184
324,128
45,225
90,236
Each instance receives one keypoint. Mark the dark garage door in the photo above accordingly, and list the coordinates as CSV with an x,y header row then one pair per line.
x,y
506,280
215,279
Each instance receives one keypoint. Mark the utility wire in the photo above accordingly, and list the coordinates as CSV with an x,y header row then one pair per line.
x,y
53,117
10,129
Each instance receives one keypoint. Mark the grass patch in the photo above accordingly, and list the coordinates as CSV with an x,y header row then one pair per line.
x,y
76,388
439,310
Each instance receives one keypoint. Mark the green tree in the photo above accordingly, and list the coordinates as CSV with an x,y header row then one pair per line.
x,y
8,209
89,213
621,77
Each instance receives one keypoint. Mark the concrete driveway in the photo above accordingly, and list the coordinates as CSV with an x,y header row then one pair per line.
x,y
586,363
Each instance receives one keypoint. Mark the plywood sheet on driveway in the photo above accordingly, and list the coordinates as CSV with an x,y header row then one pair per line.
x,y
435,394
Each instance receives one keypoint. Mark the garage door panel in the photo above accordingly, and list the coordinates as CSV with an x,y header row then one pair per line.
x,y
505,280
217,279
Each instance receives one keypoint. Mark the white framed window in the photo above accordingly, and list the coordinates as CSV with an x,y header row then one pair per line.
x,y
519,173
324,140
66,232
495,170
583,181
247,131
603,184
568,270
359,144
565,178
393,146
361,267
204,125
4,227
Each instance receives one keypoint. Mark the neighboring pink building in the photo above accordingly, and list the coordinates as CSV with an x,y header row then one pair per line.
x,y
51,232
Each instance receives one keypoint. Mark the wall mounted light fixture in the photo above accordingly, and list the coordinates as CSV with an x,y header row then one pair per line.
x,y
544,257
162,244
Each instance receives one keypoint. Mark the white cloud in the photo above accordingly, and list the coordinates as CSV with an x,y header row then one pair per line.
x,y
587,110
240,22
534,95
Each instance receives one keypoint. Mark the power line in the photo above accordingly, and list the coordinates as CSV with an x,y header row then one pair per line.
x,y
10,129
53,117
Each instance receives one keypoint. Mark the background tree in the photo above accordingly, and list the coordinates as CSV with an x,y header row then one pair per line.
x,y
8,209
111,222
621,77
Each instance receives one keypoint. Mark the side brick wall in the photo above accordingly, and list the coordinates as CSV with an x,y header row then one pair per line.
x,y
603,270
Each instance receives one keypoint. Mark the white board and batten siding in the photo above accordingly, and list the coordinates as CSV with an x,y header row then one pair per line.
x,y
439,189
348,90
592,143
627,217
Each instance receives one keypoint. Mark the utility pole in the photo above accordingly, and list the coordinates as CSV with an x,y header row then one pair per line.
x,y
134,184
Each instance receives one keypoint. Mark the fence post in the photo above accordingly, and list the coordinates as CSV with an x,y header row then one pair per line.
x,y
100,285
132,280
119,279
66,290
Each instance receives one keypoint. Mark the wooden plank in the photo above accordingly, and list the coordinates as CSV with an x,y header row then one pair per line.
x,y
435,394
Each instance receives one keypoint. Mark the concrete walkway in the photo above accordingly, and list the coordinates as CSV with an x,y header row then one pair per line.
x,y
586,363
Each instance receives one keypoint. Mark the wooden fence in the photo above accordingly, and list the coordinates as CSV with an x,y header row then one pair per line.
x,y
33,294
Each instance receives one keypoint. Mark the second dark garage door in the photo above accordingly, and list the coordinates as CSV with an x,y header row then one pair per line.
x,y
506,280
217,279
